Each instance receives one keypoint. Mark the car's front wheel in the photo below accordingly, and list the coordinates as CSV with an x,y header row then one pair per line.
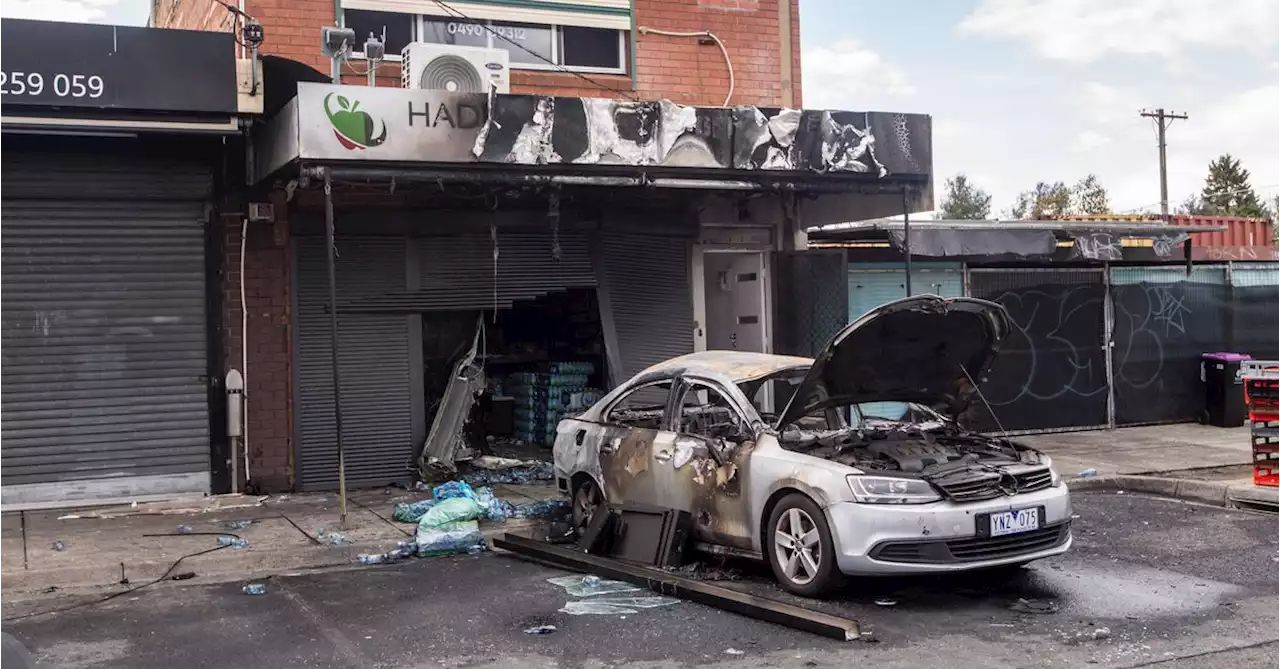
x,y
800,549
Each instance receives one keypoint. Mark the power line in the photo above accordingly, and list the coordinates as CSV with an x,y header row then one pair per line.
x,y
1161,116
484,24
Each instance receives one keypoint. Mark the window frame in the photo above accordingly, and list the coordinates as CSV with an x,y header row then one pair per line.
x,y
688,383
419,29
664,424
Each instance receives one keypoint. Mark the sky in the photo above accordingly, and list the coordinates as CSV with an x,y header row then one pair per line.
x,y
1022,91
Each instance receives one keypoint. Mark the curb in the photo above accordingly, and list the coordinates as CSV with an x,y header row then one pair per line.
x,y
1214,493
1200,491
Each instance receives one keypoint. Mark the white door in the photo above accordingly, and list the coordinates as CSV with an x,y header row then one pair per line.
x,y
735,304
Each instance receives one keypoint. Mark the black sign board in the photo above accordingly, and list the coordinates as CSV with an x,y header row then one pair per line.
x,y
51,64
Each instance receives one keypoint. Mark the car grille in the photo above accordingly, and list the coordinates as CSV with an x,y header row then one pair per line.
x,y
972,550
986,485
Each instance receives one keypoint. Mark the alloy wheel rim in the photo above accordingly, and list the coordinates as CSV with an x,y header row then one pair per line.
x,y
797,545
585,501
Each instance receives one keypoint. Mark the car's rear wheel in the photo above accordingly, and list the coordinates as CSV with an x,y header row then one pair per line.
x,y
587,498
800,548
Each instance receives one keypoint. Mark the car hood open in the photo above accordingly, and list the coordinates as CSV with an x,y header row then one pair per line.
x,y
922,349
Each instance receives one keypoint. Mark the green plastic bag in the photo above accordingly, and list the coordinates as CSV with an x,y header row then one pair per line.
x,y
452,510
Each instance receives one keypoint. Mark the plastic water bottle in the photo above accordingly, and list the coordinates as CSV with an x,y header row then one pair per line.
x,y
255,589
1088,473
184,529
233,542
377,558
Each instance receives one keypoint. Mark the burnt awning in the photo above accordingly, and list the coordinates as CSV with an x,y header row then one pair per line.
x,y
1087,240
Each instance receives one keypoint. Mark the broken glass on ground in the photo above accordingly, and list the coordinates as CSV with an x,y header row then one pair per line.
x,y
610,606
590,586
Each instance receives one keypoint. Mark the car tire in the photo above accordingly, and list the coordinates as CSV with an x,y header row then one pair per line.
x,y
586,499
798,544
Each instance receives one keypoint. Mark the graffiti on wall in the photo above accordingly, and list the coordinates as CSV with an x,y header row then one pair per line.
x,y
1051,371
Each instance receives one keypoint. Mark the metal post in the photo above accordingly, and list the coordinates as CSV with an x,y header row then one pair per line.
x,y
335,375
906,238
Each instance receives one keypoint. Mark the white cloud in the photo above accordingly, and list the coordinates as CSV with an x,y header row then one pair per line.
x,y
75,11
848,75
1089,140
1083,31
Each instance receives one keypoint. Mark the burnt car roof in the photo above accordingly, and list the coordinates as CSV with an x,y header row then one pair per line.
x,y
737,365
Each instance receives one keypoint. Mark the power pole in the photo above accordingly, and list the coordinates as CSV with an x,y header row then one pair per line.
x,y
1163,120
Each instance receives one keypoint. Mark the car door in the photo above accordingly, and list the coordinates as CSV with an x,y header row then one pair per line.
x,y
704,472
632,430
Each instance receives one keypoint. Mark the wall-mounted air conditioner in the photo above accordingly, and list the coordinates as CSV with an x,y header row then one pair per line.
x,y
457,69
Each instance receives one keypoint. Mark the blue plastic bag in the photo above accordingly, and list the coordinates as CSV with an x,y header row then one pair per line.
x,y
452,490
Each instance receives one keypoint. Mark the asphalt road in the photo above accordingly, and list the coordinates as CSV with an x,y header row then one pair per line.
x,y
1175,585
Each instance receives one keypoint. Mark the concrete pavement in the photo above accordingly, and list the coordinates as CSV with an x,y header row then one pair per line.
x,y
98,547
1175,585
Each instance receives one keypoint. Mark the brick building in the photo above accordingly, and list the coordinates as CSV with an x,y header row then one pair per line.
x,y
617,54
647,65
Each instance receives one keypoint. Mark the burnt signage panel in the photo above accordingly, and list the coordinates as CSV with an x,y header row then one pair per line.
x,y
49,64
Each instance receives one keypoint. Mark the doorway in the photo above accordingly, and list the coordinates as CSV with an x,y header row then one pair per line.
x,y
734,291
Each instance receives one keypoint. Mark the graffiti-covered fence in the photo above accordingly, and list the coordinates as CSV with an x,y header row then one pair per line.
x,y
1164,320
1052,370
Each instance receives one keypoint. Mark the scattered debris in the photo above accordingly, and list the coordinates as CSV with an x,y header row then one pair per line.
x,y
332,538
184,576
59,546
70,516
547,508
450,538
255,589
1088,473
183,529
490,470
705,572
50,590
541,630
590,586
365,558
1095,634
1119,492
1034,606
734,651
885,601
613,606
446,442
234,542
234,525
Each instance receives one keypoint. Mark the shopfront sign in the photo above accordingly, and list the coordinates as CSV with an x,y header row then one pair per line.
x,y
52,64
393,124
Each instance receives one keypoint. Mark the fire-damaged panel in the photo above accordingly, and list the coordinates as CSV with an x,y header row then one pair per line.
x,y
399,125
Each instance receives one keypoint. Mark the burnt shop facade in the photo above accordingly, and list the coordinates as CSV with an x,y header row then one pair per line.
x,y
569,241
111,184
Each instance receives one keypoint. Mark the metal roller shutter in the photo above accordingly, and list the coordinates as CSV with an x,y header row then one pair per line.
x,y
105,347
457,271
644,288
374,350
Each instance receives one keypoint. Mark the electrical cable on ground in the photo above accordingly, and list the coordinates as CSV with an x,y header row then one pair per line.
x,y
644,30
458,14
163,577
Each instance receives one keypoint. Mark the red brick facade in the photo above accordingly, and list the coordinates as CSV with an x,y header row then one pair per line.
x,y
681,69
269,384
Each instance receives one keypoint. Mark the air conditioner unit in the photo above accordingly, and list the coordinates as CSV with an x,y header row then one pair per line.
x,y
457,69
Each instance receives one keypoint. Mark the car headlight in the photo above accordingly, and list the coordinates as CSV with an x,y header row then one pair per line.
x,y
888,490
1055,479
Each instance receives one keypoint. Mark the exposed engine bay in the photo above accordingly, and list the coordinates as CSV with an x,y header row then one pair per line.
x,y
928,450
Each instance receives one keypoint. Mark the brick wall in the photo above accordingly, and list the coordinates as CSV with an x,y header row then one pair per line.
x,y
675,68
268,393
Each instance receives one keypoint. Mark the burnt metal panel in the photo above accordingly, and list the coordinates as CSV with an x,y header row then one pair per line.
x,y
1052,371
105,335
374,349
645,303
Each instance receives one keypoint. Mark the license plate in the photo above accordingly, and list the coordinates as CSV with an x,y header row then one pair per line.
x,y
1013,522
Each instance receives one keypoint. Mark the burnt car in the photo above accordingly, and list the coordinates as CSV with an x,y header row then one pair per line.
x,y
854,463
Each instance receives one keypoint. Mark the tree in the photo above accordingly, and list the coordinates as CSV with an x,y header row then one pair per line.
x,y
1227,191
1089,197
964,201
1043,201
